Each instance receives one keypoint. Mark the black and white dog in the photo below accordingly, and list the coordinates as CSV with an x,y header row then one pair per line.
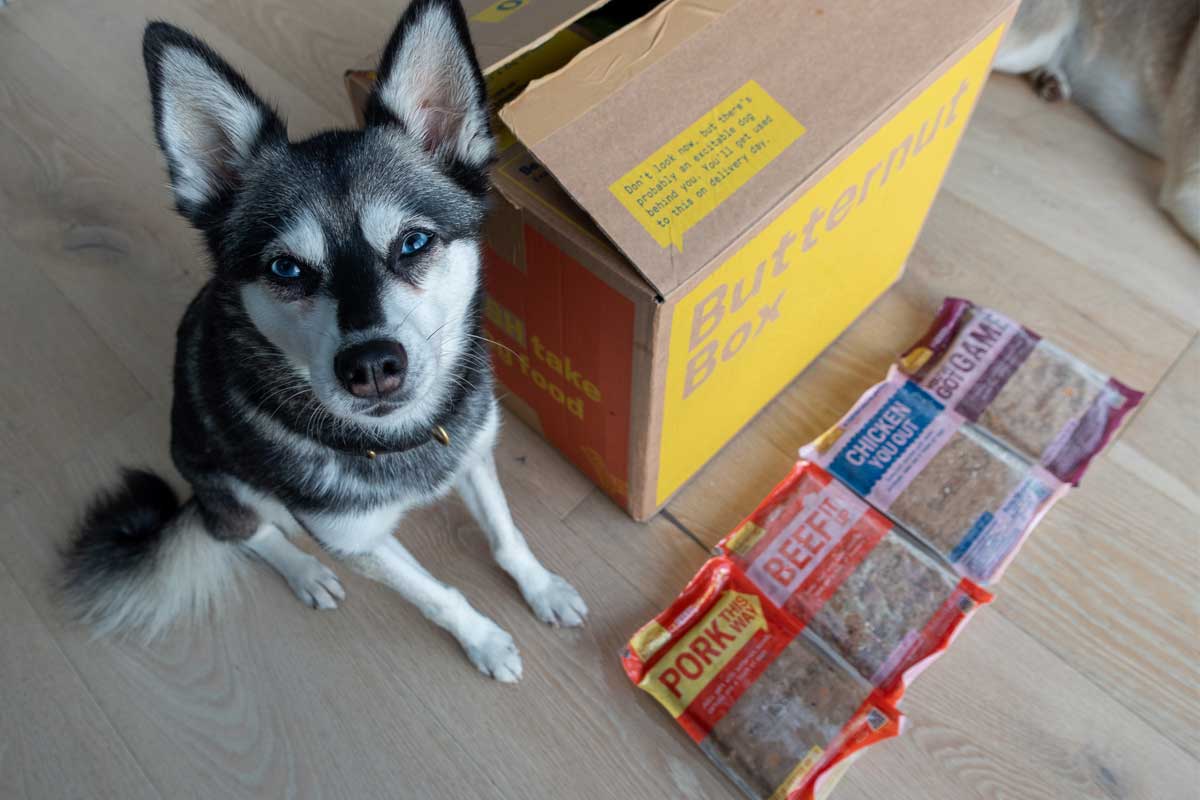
x,y
331,374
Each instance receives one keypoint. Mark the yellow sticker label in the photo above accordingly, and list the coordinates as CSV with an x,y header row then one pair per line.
x,y
697,658
499,12
687,178
649,639
742,540
913,362
765,314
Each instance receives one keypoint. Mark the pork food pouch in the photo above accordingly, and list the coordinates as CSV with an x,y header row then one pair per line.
x,y
773,709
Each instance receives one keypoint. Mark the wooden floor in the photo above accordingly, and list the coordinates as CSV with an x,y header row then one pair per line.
x,y
1080,682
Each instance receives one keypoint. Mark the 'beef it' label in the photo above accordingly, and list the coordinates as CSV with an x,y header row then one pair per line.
x,y
800,548
705,651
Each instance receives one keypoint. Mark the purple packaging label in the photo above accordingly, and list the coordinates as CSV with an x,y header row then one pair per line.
x,y
1081,438
988,349
995,375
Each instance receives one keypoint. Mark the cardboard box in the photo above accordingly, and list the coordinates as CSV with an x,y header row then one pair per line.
x,y
690,209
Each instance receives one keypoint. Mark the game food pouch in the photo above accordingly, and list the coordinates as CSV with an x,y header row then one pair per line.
x,y
848,574
774,710
969,498
1025,391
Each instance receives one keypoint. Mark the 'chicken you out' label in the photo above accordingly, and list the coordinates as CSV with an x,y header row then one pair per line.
x,y
688,177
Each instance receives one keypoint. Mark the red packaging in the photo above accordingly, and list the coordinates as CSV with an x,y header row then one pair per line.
x,y
1022,389
768,703
846,572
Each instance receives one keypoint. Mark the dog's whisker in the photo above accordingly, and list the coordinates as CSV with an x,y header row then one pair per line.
x,y
494,342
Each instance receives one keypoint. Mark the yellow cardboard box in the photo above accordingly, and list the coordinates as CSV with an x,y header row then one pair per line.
x,y
693,201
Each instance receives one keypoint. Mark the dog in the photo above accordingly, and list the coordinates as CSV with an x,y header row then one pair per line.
x,y
332,373
1134,64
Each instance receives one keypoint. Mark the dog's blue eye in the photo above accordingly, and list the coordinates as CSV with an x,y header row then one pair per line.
x,y
286,268
413,242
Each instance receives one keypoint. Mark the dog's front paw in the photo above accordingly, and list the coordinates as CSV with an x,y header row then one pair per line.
x,y
556,602
494,654
316,585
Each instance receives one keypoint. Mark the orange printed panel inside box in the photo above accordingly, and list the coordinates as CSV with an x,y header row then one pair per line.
x,y
853,578
740,179
768,703
574,383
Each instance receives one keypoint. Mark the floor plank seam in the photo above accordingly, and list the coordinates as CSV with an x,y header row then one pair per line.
x,y
671,518
1169,316
96,334
1045,645
87,687
581,501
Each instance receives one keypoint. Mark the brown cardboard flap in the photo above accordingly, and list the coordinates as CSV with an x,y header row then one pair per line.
x,y
524,183
503,29
748,97
553,102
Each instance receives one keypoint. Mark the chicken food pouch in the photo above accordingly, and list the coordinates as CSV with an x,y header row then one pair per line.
x,y
966,496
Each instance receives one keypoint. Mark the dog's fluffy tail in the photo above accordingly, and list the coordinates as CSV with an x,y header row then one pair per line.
x,y
141,562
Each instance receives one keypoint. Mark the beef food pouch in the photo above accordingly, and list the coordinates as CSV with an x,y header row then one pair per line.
x,y
772,708
841,568
1025,391
969,498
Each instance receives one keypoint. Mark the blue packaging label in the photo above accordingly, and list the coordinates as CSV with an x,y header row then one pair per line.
x,y
880,443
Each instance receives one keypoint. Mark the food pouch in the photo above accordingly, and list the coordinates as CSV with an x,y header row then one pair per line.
x,y
772,708
967,497
1023,390
845,571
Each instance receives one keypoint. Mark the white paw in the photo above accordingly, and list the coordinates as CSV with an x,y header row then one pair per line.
x,y
316,585
495,655
556,602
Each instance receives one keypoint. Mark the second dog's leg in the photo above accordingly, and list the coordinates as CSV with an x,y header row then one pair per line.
x,y
552,599
1181,133
1036,35
1051,84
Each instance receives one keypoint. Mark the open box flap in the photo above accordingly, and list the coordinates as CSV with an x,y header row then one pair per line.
x,y
503,29
686,128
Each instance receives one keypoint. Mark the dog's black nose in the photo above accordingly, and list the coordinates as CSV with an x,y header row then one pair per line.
x,y
372,369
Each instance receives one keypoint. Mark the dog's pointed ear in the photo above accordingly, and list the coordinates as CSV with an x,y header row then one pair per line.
x,y
430,84
207,119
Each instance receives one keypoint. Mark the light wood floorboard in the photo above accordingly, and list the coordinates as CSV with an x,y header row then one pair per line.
x,y
1081,681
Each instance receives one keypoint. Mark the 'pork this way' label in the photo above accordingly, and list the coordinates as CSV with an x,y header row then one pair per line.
x,y
699,657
